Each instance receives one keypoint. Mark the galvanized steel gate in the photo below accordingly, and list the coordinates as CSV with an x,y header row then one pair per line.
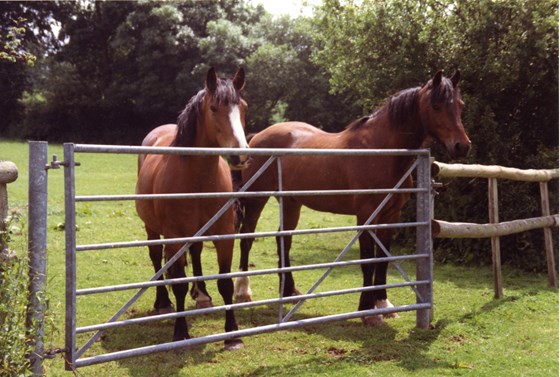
x,y
422,286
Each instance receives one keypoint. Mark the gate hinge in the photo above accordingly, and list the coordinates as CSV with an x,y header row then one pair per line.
x,y
56,164
51,353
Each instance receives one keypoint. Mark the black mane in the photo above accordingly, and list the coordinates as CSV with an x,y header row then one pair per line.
x,y
224,94
402,106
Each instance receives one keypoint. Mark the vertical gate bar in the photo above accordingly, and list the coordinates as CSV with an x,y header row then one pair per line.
x,y
281,239
70,233
37,248
424,270
493,217
548,247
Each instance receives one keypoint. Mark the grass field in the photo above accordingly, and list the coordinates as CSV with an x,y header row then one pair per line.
x,y
472,333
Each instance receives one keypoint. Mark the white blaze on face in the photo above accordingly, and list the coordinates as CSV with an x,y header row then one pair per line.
x,y
237,127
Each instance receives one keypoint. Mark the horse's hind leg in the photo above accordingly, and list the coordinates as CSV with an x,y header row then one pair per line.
x,y
162,304
367,299
224,251
198,290
177,271
380,296
251,211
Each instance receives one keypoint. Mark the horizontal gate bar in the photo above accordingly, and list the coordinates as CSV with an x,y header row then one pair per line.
x,y
119,355
156,283
242,305
251,194
92,148
117,245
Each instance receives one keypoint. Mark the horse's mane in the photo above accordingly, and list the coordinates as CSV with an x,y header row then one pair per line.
x,y
224,94
403,106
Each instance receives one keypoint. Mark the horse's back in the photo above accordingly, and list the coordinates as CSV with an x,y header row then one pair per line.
x,y
161,136
286,135
328,172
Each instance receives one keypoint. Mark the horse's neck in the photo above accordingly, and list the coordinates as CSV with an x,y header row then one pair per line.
x,y
380,133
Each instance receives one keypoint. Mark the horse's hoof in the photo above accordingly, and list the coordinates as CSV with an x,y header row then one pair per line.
x,y
243,298
165,310
391,315
382,304
203,304
233,344
373,320
294,293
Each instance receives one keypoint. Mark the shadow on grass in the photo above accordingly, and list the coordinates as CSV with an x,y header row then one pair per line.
x,y
407,349
370,344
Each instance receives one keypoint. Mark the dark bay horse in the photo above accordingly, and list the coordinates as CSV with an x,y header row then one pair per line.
x,y
406,121
215,117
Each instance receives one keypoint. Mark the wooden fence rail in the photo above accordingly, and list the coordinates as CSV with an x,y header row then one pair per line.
x,y
494,229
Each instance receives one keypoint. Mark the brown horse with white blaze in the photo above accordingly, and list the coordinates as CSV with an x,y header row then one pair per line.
x,y
406,121
215,117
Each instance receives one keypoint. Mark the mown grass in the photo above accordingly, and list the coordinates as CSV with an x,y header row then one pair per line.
x,y
472,333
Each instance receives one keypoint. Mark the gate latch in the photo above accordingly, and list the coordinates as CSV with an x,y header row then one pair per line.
x,y
56,164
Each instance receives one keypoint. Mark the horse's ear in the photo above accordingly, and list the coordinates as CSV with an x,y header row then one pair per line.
x,y
239,79
456,78
211,80
437,79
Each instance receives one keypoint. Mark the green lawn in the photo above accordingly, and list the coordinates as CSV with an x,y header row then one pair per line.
x,y
472,333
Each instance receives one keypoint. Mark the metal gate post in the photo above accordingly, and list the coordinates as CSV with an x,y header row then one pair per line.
x,y
70,232
37,249
424,269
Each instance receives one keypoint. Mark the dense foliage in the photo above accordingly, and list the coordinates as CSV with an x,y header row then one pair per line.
x,y
110,71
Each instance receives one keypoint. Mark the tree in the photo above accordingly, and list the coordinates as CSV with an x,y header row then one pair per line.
x,y
125,68
26,31
283,82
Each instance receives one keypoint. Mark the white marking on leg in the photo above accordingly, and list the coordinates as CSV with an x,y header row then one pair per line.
x,y
242,289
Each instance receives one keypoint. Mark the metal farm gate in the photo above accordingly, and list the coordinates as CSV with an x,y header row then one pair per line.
x,y
75,354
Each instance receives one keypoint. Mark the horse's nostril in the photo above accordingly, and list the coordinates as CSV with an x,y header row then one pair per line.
x,y
234,160
462,149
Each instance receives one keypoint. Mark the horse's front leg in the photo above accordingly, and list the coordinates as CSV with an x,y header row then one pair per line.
x,y
367,299
198,289
381,300
177,270
224,250
292,211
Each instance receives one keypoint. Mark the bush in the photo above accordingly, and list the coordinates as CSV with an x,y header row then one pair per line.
x,y
14,345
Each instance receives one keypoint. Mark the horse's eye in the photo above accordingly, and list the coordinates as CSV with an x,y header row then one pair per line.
x,y
214,109
437,107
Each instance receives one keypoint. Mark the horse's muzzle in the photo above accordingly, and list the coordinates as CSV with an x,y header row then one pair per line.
x,y
459,149
462,149
237,162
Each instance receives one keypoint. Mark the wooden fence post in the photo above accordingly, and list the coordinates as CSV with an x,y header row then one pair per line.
x,y
8,174
550,264
493,214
